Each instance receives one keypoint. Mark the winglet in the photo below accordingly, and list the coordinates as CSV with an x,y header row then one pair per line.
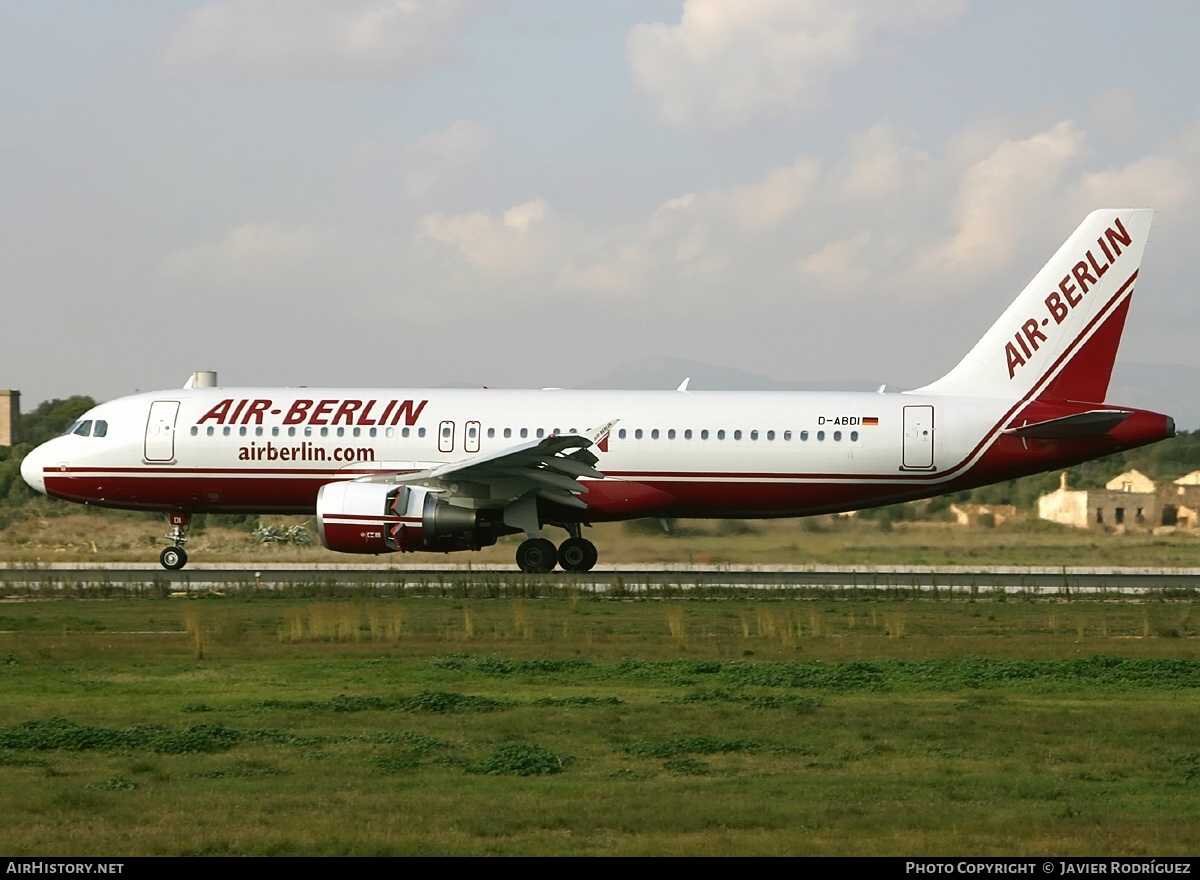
x,y
599,436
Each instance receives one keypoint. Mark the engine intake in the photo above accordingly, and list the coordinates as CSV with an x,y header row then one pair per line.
x,y
380,518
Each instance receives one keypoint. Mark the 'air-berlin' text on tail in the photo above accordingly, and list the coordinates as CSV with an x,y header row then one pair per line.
x,y
1059,338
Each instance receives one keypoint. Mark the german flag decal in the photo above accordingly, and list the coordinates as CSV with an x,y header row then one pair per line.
x,y
870,420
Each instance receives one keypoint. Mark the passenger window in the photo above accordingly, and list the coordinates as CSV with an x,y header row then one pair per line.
x,y
341,432
524,433
787,435
275,431
507,433
637,435
210,430
837,435
770,435
324,432
491,433
854,436
420,432
754,435
704,434
654,434
737,435
621,434
804,435
373,432
227,430
195,430
291,432
404,432
390,433
687,434
357,432
541,432
820,435
721,434
671,434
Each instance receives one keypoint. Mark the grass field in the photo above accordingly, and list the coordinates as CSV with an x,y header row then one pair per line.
x,y
247,724
84,536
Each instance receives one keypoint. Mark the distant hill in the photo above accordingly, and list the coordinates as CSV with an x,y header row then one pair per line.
x,y
665,373
1165,388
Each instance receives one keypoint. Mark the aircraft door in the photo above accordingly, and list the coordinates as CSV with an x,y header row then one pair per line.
x,y
446,437
918,438
471,441
160,430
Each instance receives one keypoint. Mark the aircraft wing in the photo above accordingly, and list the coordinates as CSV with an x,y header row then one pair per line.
x,y
549,468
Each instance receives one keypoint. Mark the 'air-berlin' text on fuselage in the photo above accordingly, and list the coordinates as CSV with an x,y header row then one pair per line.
x,y
233,411
1084,275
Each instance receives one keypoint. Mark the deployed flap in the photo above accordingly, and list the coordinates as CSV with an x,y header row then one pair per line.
x,y
1086,424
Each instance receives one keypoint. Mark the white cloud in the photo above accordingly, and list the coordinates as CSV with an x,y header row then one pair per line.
x,y
840,263
997,197
512,243
251,252
443,156
879,165
394,38
728,64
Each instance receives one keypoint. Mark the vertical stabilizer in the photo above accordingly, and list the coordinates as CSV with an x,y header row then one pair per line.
x,y
1059,338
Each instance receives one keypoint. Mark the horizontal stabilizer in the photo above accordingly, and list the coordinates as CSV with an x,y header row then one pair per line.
x,y
1085,424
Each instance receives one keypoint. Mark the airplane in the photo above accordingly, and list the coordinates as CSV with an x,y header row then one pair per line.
x,y
446,470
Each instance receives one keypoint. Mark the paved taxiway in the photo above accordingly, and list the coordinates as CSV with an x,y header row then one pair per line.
x,y
888,579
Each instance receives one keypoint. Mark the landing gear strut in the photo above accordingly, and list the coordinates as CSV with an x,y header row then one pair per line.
x,y
175,558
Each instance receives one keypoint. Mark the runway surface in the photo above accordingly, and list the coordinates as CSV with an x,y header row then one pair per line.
x,y
1041,580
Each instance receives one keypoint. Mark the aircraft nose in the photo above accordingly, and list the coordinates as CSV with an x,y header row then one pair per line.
x,y
31,469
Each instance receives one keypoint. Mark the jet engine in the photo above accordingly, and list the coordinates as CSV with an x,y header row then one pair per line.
x,y
380,518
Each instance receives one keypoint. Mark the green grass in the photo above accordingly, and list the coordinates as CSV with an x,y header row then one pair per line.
x,y
272,725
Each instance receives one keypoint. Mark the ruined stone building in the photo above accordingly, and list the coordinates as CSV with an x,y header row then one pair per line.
x,y
1130,501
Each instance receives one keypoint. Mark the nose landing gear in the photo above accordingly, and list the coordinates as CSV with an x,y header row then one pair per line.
x,y
175,558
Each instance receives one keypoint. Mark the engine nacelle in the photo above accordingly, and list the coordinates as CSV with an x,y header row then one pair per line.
x,y
380,518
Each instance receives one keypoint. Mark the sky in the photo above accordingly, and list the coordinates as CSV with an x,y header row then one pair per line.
x,y
530,193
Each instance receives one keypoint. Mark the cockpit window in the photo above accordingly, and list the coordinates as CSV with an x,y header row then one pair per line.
x,y
88,428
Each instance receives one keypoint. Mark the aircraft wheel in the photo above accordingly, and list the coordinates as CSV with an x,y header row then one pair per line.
x,y
577,554
536,556
173,558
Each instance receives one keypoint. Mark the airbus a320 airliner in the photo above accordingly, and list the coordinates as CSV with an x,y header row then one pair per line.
x,y
442,470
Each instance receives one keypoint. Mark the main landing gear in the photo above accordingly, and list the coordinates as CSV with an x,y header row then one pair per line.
x,y
175,558
538,555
